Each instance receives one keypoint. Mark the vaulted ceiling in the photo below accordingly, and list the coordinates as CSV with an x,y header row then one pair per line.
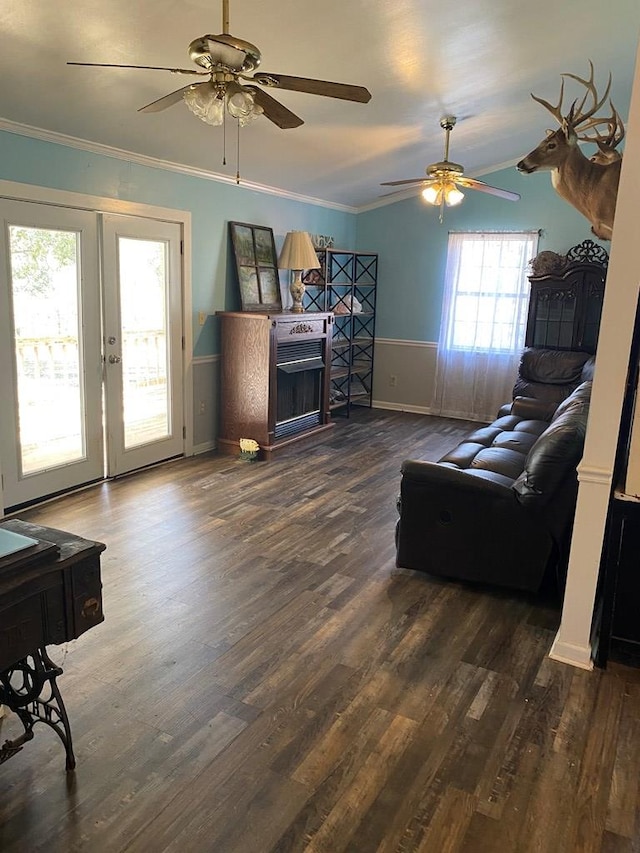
x,y
420,59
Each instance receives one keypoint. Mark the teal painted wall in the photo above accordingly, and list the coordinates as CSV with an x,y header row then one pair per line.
x,y
410,241
412,245
211,203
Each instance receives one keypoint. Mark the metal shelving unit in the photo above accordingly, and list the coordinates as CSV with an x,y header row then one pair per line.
x,y
347,279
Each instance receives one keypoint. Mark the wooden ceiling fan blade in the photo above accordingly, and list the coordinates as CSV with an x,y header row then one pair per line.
x,y
170,99
474,184
274,110
144,67
344,91
407,181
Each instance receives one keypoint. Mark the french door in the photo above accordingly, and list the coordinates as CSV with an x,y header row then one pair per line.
x,y
142,342
90,356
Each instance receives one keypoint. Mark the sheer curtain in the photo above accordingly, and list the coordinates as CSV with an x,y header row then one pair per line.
x,y
483,323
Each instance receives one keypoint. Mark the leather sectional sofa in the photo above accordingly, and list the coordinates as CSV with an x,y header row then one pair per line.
x,y
499,507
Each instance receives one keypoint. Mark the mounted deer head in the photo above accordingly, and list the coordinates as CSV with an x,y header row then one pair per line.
x,y
607,144
590,185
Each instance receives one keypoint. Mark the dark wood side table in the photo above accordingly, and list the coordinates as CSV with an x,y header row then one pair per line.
x,y
47,596
620,624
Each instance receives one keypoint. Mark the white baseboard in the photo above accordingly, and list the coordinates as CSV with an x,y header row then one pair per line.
x,y
576,655
401,407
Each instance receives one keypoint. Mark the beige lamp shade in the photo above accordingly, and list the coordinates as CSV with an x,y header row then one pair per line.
x,y
298,254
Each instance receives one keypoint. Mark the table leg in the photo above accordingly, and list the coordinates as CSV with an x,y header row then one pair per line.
x,y
29,689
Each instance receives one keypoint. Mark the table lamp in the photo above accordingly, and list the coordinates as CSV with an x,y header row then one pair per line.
x,y
298,254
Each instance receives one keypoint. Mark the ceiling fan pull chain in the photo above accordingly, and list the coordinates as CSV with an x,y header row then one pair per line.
x,y
224,138
238,155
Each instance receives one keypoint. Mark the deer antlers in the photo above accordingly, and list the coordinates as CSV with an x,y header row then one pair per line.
x,y
581,121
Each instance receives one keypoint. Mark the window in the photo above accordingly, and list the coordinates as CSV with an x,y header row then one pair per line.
x,y
484,315
488,290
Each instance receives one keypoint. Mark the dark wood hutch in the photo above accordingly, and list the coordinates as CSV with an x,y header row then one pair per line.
x,y
566,298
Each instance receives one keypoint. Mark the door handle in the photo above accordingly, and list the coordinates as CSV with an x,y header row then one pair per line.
x,y
114,359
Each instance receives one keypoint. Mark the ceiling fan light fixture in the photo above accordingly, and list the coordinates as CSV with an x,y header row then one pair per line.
x,y
208,103
241,104
432,194
442,192
452,195
205,104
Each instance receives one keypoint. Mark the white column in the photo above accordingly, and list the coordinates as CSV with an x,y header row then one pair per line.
x,y
573,642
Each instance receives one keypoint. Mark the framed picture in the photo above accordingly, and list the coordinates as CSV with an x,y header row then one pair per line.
x,y
256,266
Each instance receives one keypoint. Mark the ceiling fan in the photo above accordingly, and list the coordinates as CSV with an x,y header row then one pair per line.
x,y
227,61
441,186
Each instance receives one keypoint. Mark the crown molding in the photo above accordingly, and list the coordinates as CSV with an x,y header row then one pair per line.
x,y
156,163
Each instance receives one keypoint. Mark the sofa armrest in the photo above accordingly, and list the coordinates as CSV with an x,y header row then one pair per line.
x,y
436,475
532,409
460,525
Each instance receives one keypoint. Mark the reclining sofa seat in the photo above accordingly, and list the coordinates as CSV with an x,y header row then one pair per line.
x,y
499,507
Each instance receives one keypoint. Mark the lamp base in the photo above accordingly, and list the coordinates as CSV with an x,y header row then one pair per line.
x,y
297,289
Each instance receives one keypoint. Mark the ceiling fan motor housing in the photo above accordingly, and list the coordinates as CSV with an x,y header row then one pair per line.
x,y
233,53
445,169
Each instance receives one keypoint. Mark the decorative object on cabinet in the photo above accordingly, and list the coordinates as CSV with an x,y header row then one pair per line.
x,y
298,254
274,378
322,241
257,267
566,298
346,284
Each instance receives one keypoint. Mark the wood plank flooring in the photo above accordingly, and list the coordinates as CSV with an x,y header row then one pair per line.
x,y
267,680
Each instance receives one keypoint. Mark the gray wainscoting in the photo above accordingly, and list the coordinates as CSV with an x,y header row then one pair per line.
x,y
404,375
206,396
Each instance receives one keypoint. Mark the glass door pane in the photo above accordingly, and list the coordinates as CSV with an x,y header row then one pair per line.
x,y
44,287
143,317
51,430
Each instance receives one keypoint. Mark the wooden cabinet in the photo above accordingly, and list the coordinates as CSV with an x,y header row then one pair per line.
x,y
617,609
620,629
346,284
566,298
274,378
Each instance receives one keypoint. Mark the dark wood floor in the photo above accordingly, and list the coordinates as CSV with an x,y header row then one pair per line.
x,y
267,680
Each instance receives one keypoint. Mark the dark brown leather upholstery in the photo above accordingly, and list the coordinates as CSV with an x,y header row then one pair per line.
x,y
498,508
551,375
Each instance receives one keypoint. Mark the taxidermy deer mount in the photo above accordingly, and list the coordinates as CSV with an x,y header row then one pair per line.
x,y
589,184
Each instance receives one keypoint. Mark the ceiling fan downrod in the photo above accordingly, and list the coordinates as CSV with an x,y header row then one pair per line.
x,y
447,123
225,16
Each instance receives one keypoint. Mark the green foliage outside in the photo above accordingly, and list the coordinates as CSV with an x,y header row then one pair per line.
x,y
37,254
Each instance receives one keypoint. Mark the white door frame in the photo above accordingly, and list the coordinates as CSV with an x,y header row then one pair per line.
x,y
122,459
99,204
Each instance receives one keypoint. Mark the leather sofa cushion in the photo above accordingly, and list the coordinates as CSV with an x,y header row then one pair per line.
x,y
552,367
517,439
499,460
588,370
531,407
557,451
